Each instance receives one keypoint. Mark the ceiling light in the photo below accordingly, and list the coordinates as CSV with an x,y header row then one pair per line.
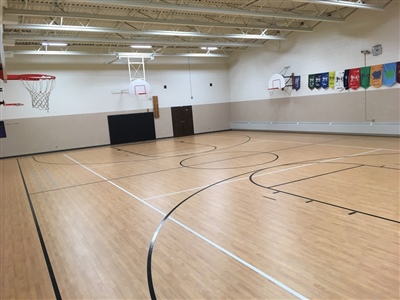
x,y
134,55
54,44
141,46
209,48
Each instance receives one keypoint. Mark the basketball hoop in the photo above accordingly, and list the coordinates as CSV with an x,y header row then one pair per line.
x,y
39,86
276,82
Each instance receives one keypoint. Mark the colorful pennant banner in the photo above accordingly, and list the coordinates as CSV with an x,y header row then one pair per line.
x,y
365,75
376,76
389,74
354,78
384,74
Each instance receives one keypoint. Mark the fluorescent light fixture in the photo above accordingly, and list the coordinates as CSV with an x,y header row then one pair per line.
x,y
141,46
60,44
356,4
134,55
209,48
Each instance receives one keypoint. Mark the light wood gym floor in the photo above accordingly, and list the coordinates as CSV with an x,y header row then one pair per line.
x,y
225,215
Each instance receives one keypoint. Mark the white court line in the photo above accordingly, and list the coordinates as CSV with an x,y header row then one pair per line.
x,y
344,146
315,163
277,141
362,153
175,193
230,254
227,137
262,174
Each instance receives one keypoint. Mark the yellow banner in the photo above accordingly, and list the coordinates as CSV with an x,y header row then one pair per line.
x,y
332,79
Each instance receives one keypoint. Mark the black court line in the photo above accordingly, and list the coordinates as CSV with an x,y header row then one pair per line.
x,y
193,166
149,156
154,172
248,138
304,145
110,179
242,143
140,174
161,224
157,154
351,210
301,179
39,232
315,176
269,198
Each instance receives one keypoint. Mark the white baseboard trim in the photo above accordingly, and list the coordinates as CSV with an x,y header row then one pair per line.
x,y
373,128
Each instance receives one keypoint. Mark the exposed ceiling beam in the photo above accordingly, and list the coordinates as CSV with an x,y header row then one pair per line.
x,y
117,54
20,12
358,4
8,42
43,52
9,19
41,38
199,9
143,32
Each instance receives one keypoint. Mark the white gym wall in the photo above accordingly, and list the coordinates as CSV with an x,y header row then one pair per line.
x,y
86,88
238,98
330,47
82,99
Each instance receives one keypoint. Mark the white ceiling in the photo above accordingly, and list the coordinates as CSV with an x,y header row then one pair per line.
x,y
171,27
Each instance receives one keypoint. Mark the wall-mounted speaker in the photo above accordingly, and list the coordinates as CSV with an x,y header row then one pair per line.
x,y
376,50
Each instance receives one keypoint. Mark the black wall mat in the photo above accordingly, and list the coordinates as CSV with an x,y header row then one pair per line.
x,y
2,130
130,128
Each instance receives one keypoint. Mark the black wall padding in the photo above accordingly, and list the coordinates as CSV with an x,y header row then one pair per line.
x,y
2,130
130,128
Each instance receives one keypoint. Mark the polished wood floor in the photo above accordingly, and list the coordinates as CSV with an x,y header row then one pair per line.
x,y
225,215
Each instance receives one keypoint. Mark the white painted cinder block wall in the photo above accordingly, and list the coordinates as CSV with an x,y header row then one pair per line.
x,y
330,47
87,88
82,100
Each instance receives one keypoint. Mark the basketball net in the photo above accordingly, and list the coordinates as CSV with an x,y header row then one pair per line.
x,y
40,89
39,86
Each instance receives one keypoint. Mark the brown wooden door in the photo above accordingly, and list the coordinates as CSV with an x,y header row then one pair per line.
x,y
182,120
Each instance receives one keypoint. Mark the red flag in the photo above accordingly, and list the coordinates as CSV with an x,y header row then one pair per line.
x,y
354,78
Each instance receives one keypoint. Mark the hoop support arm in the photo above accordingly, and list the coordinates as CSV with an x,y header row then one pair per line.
x,y
10,104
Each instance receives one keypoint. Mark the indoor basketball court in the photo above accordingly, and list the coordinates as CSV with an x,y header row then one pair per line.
x,y
233,214
187,150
